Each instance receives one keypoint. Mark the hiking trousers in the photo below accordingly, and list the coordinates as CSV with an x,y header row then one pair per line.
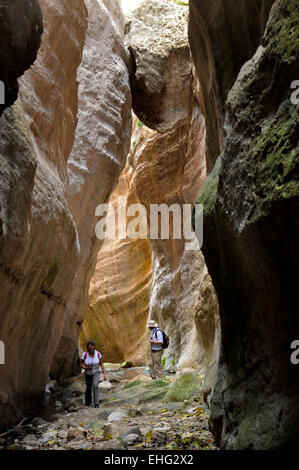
x,y
92,382
155,365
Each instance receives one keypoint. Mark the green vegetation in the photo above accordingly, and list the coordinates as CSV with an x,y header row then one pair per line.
x,y
139,124
179,2
158,383
284,36
208,194
185,387
163,361
132,384
127,364
138,392
276,172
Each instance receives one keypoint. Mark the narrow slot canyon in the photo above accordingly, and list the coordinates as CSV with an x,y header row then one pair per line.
x,y
112,111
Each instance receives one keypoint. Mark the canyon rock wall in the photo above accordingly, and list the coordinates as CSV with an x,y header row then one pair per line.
x,y
166,164
20,33
222,37
119,291
250,224
170,168
102,142
63,144
38,255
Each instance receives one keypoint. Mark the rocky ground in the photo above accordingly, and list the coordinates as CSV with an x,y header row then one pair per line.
x,y
135,413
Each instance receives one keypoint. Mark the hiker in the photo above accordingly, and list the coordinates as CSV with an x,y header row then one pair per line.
x,y
91,361
156,341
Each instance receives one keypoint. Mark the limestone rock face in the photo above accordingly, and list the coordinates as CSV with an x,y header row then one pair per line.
x,y
222,37
20,32
38,251
250,218
62,147
162,280
98,156
51,110
120,287
156,35
170,168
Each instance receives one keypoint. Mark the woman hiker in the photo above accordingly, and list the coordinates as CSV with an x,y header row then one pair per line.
x,y
91,361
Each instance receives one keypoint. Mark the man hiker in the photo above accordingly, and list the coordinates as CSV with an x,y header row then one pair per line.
x,y
91,361
156,341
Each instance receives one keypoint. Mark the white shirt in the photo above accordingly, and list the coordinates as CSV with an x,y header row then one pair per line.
x,y
156,336
92,361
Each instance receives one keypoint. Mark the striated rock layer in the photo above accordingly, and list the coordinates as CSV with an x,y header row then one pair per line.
x,y
170,168
62,147
38,252
251,225
98,156
120,288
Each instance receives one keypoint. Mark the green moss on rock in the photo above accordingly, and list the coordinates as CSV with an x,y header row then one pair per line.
x,y
284,32
158,383
277,170
132,384
208,194
185,387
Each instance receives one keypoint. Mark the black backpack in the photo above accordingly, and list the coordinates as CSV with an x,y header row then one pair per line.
x,y
165,338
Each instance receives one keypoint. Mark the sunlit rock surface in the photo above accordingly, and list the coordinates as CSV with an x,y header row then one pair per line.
x,y
169,168
156,35
63,145
98,156
119,291
38,252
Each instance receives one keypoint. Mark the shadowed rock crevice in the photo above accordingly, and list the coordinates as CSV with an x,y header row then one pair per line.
x,y
222,37
21,28
250,200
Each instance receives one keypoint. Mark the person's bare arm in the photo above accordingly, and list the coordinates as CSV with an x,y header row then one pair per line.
x,y
155,341
103,369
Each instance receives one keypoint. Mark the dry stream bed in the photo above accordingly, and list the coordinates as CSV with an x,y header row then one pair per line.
x,y
136,413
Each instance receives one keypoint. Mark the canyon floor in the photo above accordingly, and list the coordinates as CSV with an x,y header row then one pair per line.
x,y
133,414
